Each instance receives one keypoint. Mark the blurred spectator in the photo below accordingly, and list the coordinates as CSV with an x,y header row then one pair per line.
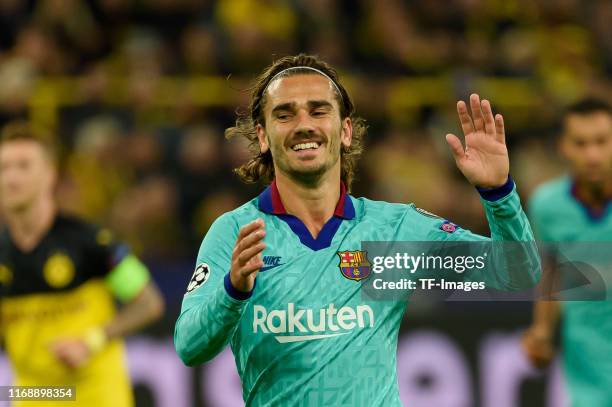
x,y
199,169
145,215
39,46
145,153
17,77
256,30
13,15
97,171
200,50
139,93
73,23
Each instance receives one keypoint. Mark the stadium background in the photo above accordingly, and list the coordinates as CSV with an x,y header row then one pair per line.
x,y
138,94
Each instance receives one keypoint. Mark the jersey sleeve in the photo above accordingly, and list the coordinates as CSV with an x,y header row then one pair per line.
x,y
102,252
211,307
128,278
124,274
514,262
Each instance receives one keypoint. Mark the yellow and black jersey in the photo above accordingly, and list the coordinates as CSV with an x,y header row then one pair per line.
x,y
58,290
70,254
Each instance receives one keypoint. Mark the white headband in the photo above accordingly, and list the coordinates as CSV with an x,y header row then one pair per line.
x,y
303,67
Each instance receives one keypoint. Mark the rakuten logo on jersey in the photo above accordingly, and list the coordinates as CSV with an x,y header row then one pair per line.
x,y
330,321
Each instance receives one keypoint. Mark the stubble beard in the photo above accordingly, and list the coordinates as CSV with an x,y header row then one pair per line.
x,y
309,177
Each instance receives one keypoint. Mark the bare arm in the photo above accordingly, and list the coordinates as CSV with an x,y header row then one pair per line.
x,y
145,308
143,304
546,317
537,341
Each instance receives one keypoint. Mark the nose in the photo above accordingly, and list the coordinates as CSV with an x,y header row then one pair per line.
x,y
304,123
594,154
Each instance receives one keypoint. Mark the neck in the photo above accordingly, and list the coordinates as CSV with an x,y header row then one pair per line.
x,y
594,194
313,204
28,225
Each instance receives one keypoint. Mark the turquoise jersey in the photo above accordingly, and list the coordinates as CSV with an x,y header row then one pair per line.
x,y
304,336
586,333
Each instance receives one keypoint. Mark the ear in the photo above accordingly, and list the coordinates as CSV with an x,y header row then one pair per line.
x,y
346,133
263,140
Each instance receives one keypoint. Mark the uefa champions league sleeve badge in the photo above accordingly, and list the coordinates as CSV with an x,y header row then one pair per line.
x,y
200,276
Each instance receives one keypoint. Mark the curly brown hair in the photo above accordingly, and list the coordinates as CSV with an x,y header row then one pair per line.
x,y
260,167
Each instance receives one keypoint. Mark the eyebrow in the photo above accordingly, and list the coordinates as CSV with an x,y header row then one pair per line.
x,y
312,104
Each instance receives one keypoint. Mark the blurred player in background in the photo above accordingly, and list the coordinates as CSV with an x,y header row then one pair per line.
x,y
576,207
299,329
59,277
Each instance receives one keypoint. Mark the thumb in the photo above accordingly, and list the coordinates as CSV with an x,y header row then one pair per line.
x,y
456,146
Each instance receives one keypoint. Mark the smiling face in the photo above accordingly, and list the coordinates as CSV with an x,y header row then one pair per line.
x,y
303,129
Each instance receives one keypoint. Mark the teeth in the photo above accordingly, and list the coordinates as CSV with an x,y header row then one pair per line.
x,y
305,146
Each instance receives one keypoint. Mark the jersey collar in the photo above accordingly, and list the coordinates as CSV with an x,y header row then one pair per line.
x,y
592,213
269,202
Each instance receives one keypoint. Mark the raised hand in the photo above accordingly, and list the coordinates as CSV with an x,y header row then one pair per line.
x,y
246,257
484,160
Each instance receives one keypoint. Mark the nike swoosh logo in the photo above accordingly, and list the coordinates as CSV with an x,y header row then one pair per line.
x,y
269,267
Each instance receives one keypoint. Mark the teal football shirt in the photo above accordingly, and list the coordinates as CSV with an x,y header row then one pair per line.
x,y
304,336
558,216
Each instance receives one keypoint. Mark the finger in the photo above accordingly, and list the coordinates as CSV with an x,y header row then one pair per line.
x,y
456,146
255,264
538,352
489,122
464,117
245,256
71,361
476,112
256,236
59,347
63,356
249,228
500,132
540,361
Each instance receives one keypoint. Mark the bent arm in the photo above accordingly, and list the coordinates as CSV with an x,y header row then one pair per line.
x,y
206,325
513,258
212,307
517,261
131,283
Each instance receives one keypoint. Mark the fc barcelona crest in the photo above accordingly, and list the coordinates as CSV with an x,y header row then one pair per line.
x,y
354,265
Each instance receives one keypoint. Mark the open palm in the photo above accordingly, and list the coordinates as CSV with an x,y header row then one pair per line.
x,y
484,160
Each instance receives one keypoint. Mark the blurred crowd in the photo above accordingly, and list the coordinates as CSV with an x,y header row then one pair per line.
x,y
139,93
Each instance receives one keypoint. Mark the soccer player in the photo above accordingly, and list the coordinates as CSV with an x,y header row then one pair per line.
x,y
576,207
267,278
59,277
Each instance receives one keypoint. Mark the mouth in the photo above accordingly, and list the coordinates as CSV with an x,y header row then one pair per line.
x,y
312,145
